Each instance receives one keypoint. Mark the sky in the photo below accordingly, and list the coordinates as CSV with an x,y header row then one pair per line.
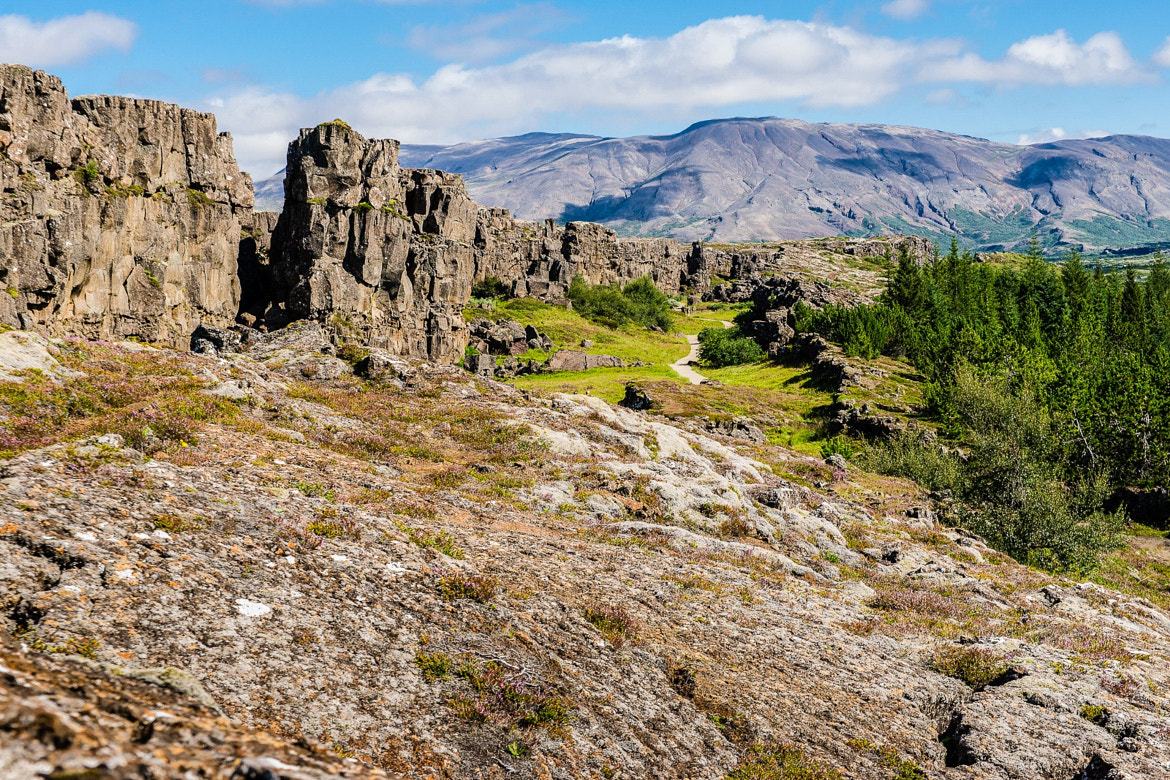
x,y
444,71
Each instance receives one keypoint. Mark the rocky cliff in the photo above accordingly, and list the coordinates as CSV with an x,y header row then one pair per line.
x,y
118,217
124,218
387,255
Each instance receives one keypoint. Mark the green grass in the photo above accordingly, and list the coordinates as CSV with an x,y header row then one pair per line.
x,y
607,383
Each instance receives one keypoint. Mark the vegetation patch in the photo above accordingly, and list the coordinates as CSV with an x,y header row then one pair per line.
x,y
639,301
510,697
976,666
616,624
781,761
476,587
889,758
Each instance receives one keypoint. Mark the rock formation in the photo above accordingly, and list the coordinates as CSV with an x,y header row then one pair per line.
x,y
123,218
119,217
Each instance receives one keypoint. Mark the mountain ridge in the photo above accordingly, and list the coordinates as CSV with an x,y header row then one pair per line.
x,y
763,178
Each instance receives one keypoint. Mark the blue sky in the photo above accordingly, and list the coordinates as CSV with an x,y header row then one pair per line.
x,y
442,71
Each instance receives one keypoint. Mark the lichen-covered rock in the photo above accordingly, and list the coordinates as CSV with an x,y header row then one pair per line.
x,y
118,217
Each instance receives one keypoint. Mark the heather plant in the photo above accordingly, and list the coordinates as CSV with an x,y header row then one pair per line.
x,y
509,697
615,623
475,587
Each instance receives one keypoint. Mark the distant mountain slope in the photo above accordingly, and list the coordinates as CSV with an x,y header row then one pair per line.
x,y
752,179
759,179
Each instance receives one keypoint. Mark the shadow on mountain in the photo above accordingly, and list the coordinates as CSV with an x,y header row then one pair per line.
x,y
598,210
1047,171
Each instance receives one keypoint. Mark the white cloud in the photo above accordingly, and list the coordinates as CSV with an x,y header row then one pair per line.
x,y
489,36
942,97
906,9
1049,134
1162,57
1054,59
690,75
64,40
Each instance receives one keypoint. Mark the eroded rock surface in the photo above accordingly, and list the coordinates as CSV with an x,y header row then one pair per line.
x,y
345,561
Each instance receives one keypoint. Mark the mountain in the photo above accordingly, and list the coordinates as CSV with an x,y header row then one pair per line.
x,y
768,178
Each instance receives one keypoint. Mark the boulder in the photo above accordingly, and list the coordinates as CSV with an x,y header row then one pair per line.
x,y
480,364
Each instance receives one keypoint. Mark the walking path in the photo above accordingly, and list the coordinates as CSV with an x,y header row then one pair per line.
x,y
682,366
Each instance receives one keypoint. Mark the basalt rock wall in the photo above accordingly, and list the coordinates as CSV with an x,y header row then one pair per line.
x,y
119,218
388,256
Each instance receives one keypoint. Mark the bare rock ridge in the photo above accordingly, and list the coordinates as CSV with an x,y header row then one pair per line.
x,y
118,217
124,218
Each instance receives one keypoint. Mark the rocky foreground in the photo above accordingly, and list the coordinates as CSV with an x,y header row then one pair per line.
x,y
261,564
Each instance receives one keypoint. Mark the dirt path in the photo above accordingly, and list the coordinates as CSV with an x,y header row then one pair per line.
x,y
682,366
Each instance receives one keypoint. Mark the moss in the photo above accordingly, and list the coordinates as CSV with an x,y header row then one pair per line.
x,y
197,198
363,207
316,201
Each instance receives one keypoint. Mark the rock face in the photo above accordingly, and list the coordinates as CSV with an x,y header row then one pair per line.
x,y
123,218
118,217
380,254
388,256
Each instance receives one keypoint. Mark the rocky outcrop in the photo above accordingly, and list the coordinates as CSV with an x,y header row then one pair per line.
x,y
388,255
379,254
118,217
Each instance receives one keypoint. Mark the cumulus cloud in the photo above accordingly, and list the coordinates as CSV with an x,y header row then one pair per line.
x,y
1049,134
63,41
721,62
1054,59
906,9
1162,58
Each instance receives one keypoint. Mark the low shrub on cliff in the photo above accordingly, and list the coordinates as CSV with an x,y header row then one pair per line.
x,y
491,288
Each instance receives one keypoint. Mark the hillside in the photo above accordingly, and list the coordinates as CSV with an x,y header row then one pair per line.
x,y
444,576
762,179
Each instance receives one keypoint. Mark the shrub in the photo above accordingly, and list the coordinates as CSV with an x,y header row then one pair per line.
x,y
976,666
491,288
639,302
615,624
838,445
719,348
476,587
510,698
434,666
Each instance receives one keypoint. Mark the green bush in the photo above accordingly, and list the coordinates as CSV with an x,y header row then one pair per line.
x,y
639,302
838,445
719,348
1009,484
491,288
976,666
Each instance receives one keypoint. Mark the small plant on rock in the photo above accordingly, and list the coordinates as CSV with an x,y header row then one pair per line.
x,y
434,666
778,761
976,666
476,587
615,624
